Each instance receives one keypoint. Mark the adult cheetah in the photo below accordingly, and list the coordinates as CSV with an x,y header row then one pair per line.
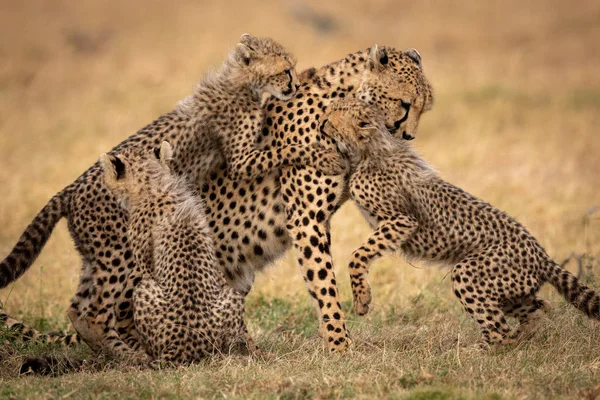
x,y
214,126
183,308
499,265
253,222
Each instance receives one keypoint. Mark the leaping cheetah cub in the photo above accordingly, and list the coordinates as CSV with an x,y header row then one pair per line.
x,y
499,265
183,307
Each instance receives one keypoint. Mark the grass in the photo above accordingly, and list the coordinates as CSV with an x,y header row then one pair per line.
x,y
423,351
515,122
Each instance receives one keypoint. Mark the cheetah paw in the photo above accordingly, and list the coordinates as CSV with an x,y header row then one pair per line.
x,y
362,301
340,345
330,162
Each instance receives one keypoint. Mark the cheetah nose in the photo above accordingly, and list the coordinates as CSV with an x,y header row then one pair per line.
x,y
297,86
406,136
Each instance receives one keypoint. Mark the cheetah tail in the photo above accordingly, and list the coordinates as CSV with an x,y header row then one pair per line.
x,y
50,365
33,239
567,284
15,328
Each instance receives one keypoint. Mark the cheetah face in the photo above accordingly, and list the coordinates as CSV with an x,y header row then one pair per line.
x,y
129,174
351,124
270,68
394,82
283,82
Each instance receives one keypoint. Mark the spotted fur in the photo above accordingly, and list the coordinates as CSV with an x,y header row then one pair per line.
x,y
253,222
183,308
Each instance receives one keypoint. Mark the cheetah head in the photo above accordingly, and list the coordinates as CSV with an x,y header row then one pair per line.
x,y
129,174
394,82
268,66
351,124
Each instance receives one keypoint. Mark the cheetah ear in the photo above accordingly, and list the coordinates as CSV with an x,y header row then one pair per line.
x,y
307,74
245,49
378,58
247,39
166,154
243,54
414,55
114,168
365,132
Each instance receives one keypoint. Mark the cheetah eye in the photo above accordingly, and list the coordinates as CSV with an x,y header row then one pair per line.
x,y
363,124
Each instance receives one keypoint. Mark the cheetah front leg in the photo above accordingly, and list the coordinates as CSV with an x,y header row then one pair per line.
x,y
308,224
246,162
149,313
388,237
257,162
230,313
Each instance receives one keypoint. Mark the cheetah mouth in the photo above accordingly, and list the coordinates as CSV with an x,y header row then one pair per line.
x,y
284,96
391,129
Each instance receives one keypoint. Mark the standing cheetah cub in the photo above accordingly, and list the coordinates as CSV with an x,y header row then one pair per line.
x,y
183,308
499,265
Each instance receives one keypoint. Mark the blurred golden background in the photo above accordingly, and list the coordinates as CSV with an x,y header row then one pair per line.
x,y
515,121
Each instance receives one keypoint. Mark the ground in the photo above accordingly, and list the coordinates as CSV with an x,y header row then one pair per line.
x,y
515,122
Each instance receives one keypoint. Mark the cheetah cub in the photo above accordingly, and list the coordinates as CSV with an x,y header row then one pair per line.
x,y
183,308
498,265
227,111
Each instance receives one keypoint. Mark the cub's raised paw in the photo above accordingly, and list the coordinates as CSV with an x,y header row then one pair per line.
x,y
329,162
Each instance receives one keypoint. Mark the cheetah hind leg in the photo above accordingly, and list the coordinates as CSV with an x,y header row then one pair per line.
x,y
488,315
529,315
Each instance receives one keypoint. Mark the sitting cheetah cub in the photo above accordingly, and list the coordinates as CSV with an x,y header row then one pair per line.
x,y
183,308
499,265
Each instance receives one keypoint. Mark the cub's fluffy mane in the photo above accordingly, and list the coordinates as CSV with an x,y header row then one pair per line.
x,y
385,152
164,184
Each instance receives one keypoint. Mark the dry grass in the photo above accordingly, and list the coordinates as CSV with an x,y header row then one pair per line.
x,y
518,101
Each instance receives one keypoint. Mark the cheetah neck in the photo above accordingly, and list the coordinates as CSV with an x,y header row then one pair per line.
x,y
386,152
